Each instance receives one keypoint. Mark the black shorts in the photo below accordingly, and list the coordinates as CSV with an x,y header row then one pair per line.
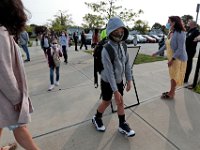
x,y
107,92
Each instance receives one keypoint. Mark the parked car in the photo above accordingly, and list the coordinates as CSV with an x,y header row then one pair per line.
x,y
129,39
150,39
158,39
141,39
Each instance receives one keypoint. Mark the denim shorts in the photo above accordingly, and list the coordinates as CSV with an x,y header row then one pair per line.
x,y
13,127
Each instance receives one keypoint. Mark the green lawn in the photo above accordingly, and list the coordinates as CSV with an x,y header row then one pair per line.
x,y
141,58
197,88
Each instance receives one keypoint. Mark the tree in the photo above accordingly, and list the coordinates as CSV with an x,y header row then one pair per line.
x,y
92,21
107,9
141,26
40,29
61,22
29,29
156,26
186,19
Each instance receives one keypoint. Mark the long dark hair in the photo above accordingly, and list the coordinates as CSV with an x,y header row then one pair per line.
x,y
178,23
12,16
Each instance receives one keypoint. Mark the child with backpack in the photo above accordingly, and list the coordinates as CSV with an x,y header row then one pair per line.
x,y
54,53
115,65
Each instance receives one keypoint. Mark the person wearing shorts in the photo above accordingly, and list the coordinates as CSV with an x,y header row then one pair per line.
x,y
112,76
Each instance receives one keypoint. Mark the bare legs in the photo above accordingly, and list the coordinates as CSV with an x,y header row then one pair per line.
x,y
173,88
23,137
1,130
104,104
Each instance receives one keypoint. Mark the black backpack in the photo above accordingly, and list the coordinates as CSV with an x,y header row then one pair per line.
x,y
98,66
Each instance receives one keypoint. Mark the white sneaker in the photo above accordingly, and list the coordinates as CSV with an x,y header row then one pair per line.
x,y
125,129
98,124
51,87
57,83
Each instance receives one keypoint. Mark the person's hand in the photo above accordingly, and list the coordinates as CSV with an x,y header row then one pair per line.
x,y
17,107
128,86
170,63
118,97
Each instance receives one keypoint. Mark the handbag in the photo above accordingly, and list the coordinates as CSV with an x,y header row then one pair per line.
x,y
56,59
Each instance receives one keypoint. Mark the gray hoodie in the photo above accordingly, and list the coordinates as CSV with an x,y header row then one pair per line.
x,y
114,73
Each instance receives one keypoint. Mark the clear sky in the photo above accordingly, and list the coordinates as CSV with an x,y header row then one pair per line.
x,y
154,10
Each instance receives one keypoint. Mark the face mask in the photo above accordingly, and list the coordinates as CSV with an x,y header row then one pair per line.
x,y
54,46
117,37
168,26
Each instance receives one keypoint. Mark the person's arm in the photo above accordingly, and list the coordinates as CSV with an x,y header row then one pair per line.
x,y
27,36
128,68
109,71
178,44
161,50
128,73
8,83
60,51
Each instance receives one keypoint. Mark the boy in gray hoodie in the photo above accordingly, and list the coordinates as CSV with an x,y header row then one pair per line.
x,y
112,76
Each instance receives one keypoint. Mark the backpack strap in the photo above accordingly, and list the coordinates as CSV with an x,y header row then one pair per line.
x,y
110,51
125,47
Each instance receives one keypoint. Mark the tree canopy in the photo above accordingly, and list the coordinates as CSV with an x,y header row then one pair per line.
x,y
106,9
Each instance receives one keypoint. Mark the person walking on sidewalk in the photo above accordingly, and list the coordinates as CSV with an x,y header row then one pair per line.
x,y
95,38
54,53
23,41
64,42
191,47
45,43
112,76
75,38
176,54
15,103
83,40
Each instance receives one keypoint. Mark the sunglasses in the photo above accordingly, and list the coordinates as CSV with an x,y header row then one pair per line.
x,y
54,43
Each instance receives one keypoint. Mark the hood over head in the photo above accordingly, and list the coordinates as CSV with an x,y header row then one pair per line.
x,y
115,23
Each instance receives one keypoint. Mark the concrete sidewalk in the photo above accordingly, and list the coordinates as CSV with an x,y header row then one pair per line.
x,y
62,117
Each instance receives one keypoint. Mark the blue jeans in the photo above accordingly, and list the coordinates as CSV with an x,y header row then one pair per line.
x,y
25,48
52,74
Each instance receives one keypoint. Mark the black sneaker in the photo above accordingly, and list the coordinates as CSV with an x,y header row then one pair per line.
x,y
98,124
125,129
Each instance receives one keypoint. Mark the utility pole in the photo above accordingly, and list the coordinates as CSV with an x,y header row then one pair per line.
x,y
197,10
196,75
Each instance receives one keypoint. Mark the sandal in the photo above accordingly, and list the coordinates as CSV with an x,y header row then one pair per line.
x,y
166,96
12,146
165,93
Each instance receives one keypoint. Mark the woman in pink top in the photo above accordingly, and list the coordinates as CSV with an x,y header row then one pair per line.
x,y
15,104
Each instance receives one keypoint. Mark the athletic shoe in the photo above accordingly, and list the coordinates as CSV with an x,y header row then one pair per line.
x,y
57,83
98,124
51,87
125,129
